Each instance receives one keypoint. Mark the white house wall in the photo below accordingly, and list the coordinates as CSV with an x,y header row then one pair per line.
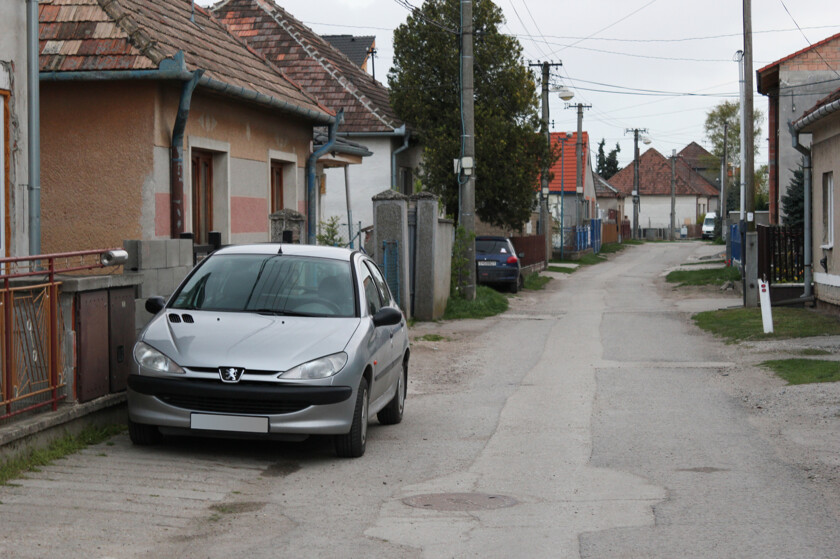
x,y
13,74
655,211
826,159
366,181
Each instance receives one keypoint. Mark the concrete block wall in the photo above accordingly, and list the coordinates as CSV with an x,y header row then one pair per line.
x,y
163,264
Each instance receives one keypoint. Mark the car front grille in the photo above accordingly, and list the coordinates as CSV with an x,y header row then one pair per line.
x,y
232,405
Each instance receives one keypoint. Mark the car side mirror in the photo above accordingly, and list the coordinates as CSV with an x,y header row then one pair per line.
x,y
387,316
521,255
155,304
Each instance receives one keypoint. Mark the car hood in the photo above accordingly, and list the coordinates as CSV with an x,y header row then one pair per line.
x,y
249,340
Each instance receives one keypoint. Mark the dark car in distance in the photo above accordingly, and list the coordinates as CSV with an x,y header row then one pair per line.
x,y
497,263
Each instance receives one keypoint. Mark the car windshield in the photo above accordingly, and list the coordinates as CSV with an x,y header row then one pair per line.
x,y
489,246
709,221
270,284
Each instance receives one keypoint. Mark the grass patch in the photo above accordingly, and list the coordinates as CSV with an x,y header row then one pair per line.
x,y
805,371
432,338
711,276
612,248
703,263
535,281
58,449
745,324
488,302
560,269
587,259
812,351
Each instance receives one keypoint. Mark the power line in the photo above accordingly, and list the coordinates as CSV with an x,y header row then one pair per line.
x,y
608,26
816,51
416,12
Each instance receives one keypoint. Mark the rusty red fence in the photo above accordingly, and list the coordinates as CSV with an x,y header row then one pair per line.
x,y
31,332
533,246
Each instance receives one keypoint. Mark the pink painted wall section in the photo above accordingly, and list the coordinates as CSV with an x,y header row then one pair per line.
x,y
163,225
248,215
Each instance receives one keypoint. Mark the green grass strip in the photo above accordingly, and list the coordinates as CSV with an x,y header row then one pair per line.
x,y
536,281
710,276
805,371
488,302
561,270
745,324
69,444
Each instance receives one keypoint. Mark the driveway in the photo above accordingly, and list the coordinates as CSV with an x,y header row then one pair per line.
x,y
591,420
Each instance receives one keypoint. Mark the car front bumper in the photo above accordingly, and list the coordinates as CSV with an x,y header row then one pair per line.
x,y
289,408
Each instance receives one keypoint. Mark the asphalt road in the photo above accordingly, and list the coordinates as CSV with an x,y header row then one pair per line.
x,y
585,422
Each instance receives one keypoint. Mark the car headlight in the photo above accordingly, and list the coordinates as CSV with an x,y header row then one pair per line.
x,y
150,358
322,367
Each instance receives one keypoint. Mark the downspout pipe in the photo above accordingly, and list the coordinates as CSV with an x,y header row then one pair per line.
x,y
406,136
176,156
34,125
311,165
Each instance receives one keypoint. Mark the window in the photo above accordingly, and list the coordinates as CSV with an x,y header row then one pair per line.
x,y
828,210
202,195
372,299
276,186
384,292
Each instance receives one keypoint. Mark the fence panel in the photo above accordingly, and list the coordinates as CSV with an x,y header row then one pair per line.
x,y
781,253
533,246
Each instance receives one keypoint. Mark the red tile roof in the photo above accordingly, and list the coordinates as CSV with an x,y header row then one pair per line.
x,y
768,77
655,178
111,35
312,62
696,155
831,98
564,171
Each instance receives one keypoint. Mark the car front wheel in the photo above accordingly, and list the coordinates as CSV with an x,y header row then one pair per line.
x,y
352,444
142,434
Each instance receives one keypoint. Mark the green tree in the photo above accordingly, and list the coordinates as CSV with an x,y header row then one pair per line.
x,y
793,202
727,112
611,166
424,82
601,158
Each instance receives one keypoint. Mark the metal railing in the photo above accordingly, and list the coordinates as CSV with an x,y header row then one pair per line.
x,y
31,333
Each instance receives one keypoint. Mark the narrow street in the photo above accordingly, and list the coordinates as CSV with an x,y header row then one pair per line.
x,y
589,421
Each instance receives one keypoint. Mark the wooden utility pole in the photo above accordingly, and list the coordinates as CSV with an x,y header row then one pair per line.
x,y
749,131
466,217
673,192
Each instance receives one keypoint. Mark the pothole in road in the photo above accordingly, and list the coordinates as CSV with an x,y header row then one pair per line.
x,y
460,501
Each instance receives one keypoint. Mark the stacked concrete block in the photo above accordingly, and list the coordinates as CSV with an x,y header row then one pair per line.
x,y
162,263
287,220
390,223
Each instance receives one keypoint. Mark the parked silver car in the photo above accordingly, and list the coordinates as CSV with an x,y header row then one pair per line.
x,y
272,341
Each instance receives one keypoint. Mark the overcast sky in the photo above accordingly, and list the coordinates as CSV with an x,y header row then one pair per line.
x,y
611,50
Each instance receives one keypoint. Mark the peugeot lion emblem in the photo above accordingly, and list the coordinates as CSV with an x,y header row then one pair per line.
x,y
230,374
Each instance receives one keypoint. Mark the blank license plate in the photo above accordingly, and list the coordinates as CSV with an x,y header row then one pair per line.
x,y
239,423
486,262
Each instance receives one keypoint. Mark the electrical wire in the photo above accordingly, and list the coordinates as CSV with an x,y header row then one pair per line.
x,y
816,51
607,27
418,13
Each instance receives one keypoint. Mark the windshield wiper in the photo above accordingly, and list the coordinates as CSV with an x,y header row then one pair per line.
x,y
273,312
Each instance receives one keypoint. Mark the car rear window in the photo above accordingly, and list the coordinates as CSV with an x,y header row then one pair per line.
x,y
485,246
282,284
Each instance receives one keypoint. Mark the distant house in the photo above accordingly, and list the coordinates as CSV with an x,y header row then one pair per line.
x,y
338,82
610,200
131,151
694,195
358,49
700,160
793,84
14,132
563,193
822,122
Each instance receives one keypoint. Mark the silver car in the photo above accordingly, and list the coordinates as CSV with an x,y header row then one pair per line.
x,y
272,341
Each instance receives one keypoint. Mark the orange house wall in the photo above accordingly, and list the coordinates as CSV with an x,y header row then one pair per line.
x,y
96,142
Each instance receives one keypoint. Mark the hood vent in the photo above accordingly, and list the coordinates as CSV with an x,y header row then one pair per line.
x,y
174,318
188,319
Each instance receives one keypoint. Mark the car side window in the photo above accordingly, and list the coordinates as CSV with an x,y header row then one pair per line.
x,y
372,302
384,292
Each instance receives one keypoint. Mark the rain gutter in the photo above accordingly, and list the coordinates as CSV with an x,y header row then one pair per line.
x,y
406,137
311,164
176,157
33,100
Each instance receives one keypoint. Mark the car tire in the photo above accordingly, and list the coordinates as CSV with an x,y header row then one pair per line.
x,y
514,287
142,434
352,444
393,412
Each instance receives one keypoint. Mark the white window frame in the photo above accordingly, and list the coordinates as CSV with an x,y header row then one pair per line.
x,y
828,210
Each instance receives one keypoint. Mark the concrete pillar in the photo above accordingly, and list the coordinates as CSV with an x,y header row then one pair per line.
x,y
287,220
390,223
425,269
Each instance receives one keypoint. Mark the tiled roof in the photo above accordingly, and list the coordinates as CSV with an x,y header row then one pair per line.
x,y
112,35
604,190
768,77
831,98
655,178
696,155
564,171
312,62
354,48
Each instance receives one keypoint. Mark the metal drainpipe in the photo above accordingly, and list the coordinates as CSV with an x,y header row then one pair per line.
x,y
406,136
311,164
808,264
34,125
176,156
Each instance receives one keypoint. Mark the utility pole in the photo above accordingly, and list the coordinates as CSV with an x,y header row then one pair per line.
x,y
750,247
723,168
579,159
673,192
635,132
544,187
466,217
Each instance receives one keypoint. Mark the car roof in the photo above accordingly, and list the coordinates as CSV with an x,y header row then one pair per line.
x,y
490,238
335,253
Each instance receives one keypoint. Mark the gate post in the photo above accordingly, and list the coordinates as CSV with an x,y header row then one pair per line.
x,y
390,223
